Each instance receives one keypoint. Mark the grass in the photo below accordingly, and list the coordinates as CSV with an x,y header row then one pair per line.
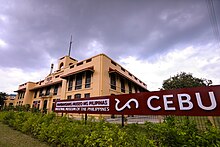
x,y
12,138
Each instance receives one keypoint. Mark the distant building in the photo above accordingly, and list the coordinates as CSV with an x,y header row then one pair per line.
x,y
10,100
96,76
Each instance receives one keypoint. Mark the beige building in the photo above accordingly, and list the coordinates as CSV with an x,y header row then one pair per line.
x,y
10,99
96,76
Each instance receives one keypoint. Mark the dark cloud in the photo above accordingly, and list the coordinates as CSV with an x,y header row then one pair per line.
x,y
38,30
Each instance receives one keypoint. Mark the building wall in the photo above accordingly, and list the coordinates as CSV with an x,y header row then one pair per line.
x,y
10,100
101,68
94,90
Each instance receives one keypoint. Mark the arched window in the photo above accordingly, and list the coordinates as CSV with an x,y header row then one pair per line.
x,y
61,65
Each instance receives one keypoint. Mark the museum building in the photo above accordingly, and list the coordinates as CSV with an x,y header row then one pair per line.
x,y
93,77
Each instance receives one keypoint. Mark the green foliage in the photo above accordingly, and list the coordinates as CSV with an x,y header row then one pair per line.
x,y
211,136
184,80
62,131
2,99
24,108
2,116
8,108
140,135
106,134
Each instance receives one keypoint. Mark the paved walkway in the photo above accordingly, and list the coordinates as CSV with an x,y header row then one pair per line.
x,y
137,119
13,138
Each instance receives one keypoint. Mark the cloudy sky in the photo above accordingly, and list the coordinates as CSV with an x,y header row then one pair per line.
x,y
153,39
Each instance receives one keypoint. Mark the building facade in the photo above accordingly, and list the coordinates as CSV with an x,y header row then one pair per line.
x,y
10,100
96,76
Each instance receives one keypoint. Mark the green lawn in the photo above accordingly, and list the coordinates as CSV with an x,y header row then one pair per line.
x,y
12,138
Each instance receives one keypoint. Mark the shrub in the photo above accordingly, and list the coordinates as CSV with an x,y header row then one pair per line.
x,y
62,131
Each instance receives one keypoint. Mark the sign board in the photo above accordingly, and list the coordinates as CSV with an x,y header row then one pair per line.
x,y
198,101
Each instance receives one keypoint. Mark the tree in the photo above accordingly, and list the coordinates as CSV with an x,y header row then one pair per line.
x,y
184,80
2,99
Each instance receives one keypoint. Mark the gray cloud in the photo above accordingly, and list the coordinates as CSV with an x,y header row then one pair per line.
x,y
34,31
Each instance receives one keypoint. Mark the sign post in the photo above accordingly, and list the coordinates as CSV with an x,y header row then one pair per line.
x,y
198,101
85,118
122,120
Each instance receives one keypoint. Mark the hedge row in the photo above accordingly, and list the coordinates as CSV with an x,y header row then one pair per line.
x,y
62,131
